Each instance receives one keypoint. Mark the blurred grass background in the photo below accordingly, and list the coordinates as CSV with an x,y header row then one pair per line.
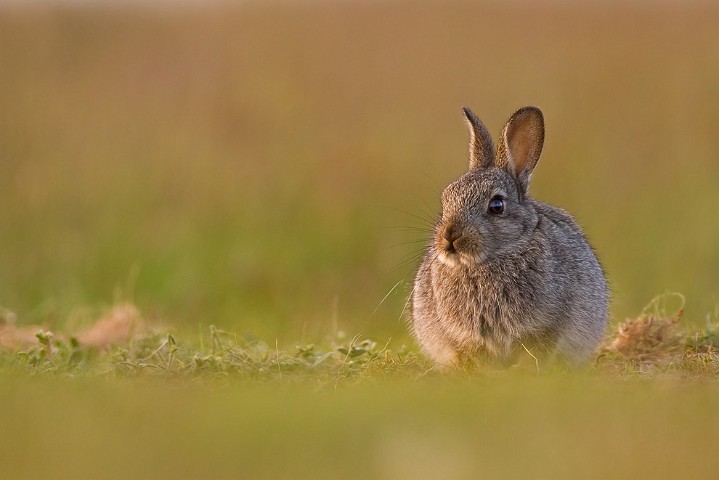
x,y
264,167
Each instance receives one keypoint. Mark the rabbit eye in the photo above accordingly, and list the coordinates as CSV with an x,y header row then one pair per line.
x,y
496,206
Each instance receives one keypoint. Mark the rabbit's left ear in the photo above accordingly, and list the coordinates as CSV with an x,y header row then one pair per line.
x,y
481,147
521,144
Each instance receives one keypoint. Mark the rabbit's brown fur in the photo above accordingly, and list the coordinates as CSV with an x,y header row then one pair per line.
x,y
505,272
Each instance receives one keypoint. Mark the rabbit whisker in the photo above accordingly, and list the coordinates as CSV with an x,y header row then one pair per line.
x,y
388,294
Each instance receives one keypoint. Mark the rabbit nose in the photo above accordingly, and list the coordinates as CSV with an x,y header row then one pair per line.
x,y
451,234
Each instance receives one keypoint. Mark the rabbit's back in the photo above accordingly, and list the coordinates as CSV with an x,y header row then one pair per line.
x,y
578,275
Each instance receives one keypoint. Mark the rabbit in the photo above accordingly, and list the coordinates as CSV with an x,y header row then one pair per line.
x,y
505,273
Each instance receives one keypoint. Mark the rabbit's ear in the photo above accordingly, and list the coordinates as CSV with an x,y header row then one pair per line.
x,y
521,145
481,147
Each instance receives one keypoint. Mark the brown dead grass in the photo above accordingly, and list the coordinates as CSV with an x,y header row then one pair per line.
x,y
652,335
654,342
118,326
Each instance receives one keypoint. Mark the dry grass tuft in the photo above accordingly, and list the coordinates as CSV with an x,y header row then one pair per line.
x,y
13,337
118,326
653,342
652,335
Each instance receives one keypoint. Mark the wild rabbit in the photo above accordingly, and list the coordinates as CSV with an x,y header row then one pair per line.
x,y
506,273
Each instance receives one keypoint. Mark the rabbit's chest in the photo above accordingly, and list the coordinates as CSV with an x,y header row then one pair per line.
x,y
483,310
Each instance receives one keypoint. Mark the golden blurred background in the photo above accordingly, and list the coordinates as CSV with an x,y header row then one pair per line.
x,y
273,167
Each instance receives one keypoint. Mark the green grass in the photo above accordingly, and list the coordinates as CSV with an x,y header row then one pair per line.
x,y
159,408
272,170
162,407
657,343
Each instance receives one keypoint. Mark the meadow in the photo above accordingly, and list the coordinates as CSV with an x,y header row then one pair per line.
x,y
259,181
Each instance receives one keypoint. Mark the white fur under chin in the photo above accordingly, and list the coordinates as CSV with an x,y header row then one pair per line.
x,y
456,259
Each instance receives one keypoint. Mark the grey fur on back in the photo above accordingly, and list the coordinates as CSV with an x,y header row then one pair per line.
x,y
505,272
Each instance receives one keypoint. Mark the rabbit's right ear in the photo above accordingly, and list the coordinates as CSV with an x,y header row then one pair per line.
x,y
481,147
521,144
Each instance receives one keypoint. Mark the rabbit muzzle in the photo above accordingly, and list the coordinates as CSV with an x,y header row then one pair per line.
x,y
458,244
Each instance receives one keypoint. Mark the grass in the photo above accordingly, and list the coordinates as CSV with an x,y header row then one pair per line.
x,y
654,344
272,170
158,407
